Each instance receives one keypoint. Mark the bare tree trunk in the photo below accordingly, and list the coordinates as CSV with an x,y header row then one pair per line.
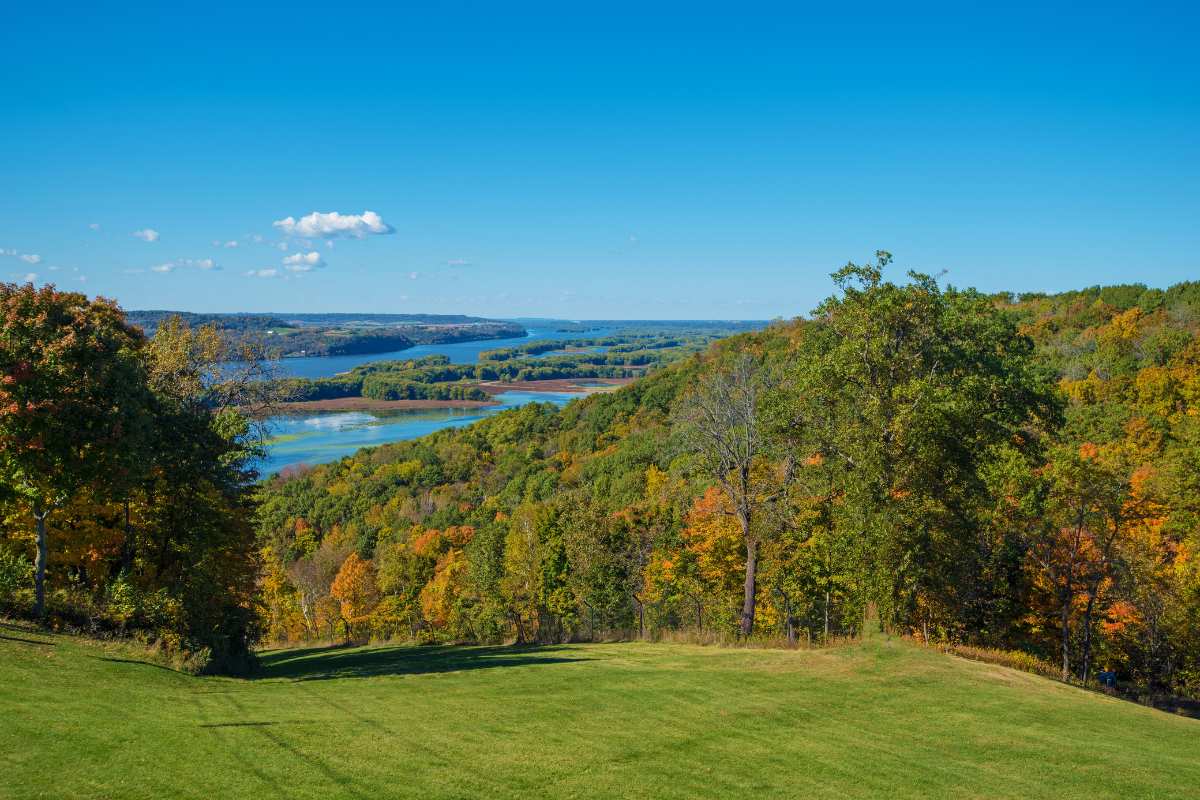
x,y
127,545
1066,638
1087,636
826,616
750,587
39,574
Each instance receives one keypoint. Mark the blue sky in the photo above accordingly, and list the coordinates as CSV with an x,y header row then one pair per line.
x,y
685,161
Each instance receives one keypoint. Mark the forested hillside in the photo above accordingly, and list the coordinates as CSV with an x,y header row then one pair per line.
x,y
1017,473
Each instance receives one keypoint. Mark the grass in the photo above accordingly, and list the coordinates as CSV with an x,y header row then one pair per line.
x,y
880,719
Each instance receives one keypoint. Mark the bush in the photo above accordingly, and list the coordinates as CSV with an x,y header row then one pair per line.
x,y
16,573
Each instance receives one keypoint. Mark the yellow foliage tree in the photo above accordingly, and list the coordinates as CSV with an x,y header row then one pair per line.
x,y
356,590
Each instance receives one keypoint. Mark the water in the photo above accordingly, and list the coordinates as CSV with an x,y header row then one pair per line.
x,y
318,437
457,352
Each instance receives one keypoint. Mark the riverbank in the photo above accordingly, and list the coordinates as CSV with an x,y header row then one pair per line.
x,y
587,385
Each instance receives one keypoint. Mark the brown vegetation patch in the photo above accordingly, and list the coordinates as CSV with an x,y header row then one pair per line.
x,y
555,385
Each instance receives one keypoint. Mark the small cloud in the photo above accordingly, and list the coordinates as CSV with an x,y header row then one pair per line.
x,y
412,276
54,269
146,235
329,244
132,271
231,243
31,258
458,262
202,264
82,279
29,277
318,225
257,238
282,245
94,226
269,272
303,262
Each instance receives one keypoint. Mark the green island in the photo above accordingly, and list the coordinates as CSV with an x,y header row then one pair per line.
x,y
633,352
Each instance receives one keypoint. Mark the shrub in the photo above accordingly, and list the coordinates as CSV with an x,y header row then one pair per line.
x,y
16,573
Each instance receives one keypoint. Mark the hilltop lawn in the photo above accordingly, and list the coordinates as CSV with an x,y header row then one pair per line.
x,y
881,719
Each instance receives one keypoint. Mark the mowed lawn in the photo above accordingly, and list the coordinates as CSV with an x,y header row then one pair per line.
x,y
881,719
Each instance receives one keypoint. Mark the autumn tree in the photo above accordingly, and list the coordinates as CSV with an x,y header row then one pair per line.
x,y
719,420
356,590
73,402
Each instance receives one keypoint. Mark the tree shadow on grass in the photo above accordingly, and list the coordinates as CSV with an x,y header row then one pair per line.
x,y
324,663
25,641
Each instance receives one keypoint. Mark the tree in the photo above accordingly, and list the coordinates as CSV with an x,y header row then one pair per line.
x,y
355,588
1075,547
73,401
905,389
720,422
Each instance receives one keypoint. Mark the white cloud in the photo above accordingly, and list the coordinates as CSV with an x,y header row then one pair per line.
x,y
29,277
202,264
7,252
231,243
94,226
146,235
256,238
31,258
282,245
412,276
319,225
458,262
303,262
270,272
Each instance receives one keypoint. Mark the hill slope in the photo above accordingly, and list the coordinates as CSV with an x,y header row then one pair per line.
x,y
881,719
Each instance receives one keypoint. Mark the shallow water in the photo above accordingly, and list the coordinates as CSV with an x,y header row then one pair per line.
x,y
318,437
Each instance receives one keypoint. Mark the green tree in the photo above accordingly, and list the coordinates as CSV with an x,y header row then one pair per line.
x,y
905,388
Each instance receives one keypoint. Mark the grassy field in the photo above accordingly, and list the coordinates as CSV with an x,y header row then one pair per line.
x,y
880,719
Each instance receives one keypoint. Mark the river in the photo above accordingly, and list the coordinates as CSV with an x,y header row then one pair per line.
x,y
319,437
